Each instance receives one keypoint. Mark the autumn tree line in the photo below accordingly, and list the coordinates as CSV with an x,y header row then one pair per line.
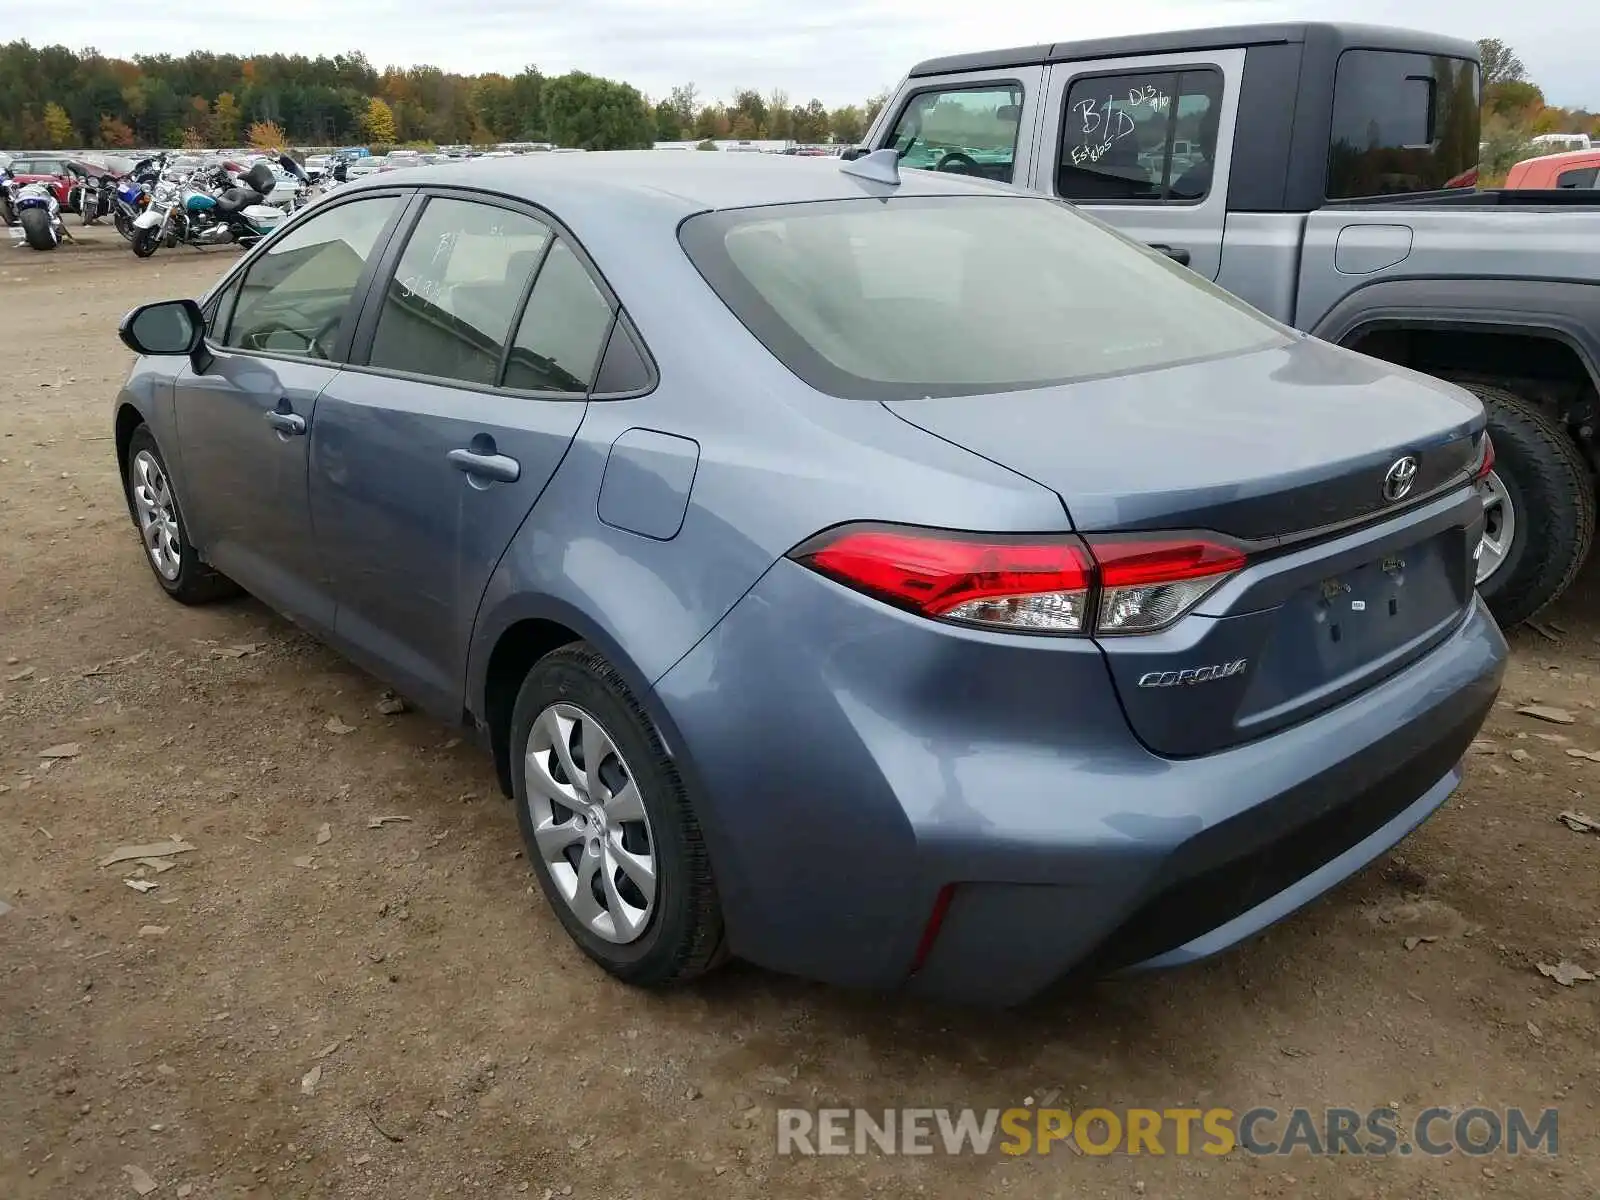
x,y
52,97
1514,112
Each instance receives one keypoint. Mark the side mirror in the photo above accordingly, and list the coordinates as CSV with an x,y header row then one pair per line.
x,y
167,327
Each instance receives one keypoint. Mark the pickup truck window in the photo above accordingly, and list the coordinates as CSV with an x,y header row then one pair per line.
x,y
968,131
1581,177
1146,136
961,295
1402,123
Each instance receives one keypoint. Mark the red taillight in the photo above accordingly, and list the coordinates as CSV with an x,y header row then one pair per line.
x,y
1146,584
1485,461
1021,583
1039,584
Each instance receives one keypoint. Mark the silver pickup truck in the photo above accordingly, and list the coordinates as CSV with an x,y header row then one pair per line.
x,y
1326,174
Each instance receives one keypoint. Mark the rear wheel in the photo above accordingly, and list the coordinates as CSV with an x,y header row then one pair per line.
x,y
1539,509
38,229
609,827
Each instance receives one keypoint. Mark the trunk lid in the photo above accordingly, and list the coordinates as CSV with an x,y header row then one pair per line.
x,y
1288,451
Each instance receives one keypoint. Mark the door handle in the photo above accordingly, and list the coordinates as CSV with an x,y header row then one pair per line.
x,y
1176,253
486,466
286,423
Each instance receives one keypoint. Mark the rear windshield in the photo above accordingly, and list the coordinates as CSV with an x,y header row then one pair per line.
x,y
949,296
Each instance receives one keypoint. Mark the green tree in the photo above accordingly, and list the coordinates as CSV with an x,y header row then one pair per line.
x,y
379,123
1500,63
58,126
1513,98
587,112
669,128
847,125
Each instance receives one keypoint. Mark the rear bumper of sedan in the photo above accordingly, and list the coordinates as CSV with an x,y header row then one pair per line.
x,y
854,764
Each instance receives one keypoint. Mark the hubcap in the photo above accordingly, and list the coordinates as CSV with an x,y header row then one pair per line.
x,y
1499,527
590,824
158,518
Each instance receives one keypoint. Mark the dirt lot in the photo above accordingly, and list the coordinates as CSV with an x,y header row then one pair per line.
x,y
465,1047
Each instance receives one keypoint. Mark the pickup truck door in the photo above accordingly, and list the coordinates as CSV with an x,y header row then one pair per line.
x,y
1144,144
984,125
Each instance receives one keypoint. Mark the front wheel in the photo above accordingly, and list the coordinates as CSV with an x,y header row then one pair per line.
x,y
153,504
610,830
38,229
1539,509
146,241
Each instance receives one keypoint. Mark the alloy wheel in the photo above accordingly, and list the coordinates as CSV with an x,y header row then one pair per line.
x,y
590,823
157,515
1499,528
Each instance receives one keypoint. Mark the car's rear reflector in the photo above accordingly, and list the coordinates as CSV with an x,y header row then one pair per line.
x,y
1026,584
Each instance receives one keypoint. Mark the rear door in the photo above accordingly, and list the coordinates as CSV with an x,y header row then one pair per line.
x,y
1144,144
469,378
969,124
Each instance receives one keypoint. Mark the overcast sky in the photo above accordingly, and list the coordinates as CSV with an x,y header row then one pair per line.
x,y
837,50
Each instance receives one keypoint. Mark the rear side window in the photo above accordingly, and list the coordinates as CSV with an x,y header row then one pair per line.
x,y
967,131
961,295
1145,136
1580,177
448,310
1402,123
563,330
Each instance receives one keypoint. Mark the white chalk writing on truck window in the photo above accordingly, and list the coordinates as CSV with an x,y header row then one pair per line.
x,y
1083,154
1111,119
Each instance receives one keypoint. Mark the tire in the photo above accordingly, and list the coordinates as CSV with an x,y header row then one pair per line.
x,y
38,229
123,225
146,242
1543,477
679,933
153,504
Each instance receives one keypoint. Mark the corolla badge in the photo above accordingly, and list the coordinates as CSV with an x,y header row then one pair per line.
x,y
1400,479
1162,679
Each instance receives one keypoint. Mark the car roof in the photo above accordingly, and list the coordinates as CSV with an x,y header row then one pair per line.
x,y
1179,41
675,185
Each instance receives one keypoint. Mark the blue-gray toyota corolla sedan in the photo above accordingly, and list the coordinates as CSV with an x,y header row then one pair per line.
x,y
894,580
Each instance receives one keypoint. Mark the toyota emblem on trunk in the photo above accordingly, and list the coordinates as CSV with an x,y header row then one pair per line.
x,y
1397,483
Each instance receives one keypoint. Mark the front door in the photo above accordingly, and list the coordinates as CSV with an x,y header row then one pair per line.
x,y
243,423
1144,144
428,456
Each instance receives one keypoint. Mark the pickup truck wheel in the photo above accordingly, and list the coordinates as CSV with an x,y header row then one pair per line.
x,y
1539,508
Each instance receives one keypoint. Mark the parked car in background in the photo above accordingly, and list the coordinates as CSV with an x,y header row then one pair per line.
x,y
1060,612
1576,169
52,171
360,167
1327,181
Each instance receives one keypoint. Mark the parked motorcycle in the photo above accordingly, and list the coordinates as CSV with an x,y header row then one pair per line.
x,y
38,215
210,209
131,196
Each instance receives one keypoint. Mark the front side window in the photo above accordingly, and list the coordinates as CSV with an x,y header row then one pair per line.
x,y
960,295
970,131
1580,177
448,309
1145,136
296,294
1402,123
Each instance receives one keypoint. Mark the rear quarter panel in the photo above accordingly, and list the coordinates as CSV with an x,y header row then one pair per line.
x,y
777,463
